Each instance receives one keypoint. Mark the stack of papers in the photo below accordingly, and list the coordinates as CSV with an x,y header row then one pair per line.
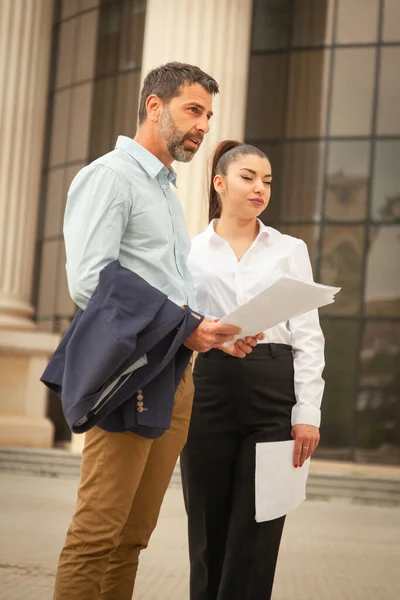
x,y
285,299
279,486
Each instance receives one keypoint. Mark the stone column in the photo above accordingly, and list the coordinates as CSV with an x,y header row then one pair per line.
x,y
25,44
214,35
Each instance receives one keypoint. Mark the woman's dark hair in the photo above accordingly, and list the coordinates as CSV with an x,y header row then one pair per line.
x,y
226,153
165,82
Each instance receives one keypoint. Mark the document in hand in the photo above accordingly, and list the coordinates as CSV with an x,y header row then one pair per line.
x,y
285,299
279,486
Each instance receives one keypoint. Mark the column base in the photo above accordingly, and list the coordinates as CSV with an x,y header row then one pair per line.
x,y
23,398
26,432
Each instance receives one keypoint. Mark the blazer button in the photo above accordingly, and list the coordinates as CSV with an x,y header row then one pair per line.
x,y
140,397
139,403
140,408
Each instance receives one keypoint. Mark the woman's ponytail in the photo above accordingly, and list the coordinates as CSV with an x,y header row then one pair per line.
x,y
214,205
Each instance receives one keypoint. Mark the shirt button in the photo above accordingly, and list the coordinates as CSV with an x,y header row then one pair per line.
x,y
164,187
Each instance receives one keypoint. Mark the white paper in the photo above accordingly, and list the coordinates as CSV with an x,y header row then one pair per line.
x,y
279,486
285,299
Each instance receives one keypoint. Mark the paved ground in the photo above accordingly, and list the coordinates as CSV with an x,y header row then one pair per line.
x,y
330,550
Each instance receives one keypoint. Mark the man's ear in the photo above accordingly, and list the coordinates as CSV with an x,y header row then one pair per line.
x,y
153,107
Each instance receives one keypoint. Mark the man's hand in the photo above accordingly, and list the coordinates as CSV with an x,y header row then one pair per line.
x,y
242,348
306,440
211,335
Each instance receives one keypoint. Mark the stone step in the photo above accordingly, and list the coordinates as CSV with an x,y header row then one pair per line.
x,y
355,488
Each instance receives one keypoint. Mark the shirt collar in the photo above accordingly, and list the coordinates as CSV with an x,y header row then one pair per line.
x,y
213,235
150,163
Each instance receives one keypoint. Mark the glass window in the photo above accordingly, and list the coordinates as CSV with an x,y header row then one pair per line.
x,y
78,134
312,22
132,34
386,182
382,286
309,234
271,24
102,117
69,8
391,21
302,181
340,374
357,21
341,265
378,404
307,94
59,130
352,94
86,46
266,100
66,53
108,38
48,278
126,105
380,354
54,203
347,180
64,305
389,92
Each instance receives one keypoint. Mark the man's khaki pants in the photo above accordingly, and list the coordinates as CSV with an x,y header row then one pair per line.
x,y
123,481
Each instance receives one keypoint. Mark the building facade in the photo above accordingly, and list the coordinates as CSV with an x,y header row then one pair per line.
x,y
313,83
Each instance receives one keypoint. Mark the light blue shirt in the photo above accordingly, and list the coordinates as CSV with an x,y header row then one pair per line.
x,y
121,206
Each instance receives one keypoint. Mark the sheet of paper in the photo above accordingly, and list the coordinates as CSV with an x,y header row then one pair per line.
x,y
279,486
285,299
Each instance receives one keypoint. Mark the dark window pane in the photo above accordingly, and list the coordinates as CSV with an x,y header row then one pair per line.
x,y
126,105
347,180
309,234
307,94
102,117
48,278
389,92
382,287
109,38
352,95
391,21
78,134
342,261
357,21
266,100
341,353
66,54
131,44
69,8
271,24
378,406
86,46
54,203
59,127
302,181
386,184
312,22
380,354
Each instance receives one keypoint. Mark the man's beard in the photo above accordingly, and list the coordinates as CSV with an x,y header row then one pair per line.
x,y
175,138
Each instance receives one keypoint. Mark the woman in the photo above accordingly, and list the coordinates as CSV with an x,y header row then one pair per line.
x,y
273,394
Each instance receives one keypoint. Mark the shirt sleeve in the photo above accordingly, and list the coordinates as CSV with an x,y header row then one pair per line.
x,y
96,216
308,349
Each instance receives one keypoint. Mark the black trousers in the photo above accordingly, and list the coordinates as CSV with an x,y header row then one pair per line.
x,y
237,403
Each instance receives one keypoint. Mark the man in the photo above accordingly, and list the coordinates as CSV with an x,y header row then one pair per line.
x,y
122,207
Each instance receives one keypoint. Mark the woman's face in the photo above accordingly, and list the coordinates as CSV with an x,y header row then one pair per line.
x,y
246,188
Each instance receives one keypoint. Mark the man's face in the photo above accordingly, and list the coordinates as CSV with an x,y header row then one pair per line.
x,y
184,121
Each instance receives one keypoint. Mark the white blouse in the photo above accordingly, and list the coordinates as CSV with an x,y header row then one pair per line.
x,y
223,283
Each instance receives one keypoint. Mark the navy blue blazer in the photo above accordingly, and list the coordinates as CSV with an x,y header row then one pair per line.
x,y
91,370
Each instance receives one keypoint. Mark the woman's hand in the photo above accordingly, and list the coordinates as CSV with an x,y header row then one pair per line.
x,y
306,440
243,347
